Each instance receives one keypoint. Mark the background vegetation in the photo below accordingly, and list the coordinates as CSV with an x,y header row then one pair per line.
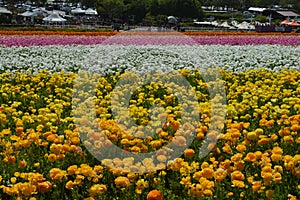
x,y
145,11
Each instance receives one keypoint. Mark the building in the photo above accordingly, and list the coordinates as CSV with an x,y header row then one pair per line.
x,y
281,14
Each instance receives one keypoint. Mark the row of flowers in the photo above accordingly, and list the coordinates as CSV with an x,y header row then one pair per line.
x,y
54,145
106,59
42,40
45,32
248,40
181,39
44,145
230,33
110,33
125,39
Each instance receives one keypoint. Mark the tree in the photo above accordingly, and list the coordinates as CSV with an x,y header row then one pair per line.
x,y
231,3
181,8
294,3
153,7
136,8
110,8
187,8
89,3
262,3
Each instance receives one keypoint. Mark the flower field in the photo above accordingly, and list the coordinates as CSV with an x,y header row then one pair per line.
x,y
207,117
146,39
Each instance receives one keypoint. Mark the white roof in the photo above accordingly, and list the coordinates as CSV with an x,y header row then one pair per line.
x,y
172,19
245,26
255,9
77,11
91,11
288,13
225,25
4,11
207,23
27,14
54,17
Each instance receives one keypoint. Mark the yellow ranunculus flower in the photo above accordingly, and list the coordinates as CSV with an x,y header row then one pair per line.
x,y
122,182
97,189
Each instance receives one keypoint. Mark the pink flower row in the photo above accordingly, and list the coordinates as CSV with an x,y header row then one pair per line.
x,y
179,39
38,40
248,40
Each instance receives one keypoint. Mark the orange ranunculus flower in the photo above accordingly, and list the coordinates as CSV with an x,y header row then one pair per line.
x,y
44,186
239,165
264,141
52,157
122,181
250,157
75,140
269,194
26,188
268,177
256,186
220,174
72,169
175,125
277,150
237,175
241,148
22,163
189,153
277,177
270,123
276,157
19,130
207,192
69,185
57,174
208,172
295,127
154,195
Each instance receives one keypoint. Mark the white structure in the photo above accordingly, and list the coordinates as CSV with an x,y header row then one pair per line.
x,y
4,11
257,10
225,25
27,14
55,18
243,26
172,20
78,11
90,11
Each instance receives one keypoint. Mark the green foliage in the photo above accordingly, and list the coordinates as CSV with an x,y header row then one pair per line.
x,y
111,8
261,19
89,3
222,16
149,20
137,10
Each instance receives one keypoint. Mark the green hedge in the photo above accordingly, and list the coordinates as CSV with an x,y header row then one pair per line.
x,y
223,15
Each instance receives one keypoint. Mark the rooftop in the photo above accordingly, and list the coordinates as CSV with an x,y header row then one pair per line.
x,y
288,13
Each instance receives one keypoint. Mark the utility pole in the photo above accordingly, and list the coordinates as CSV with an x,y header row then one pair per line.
x,y
270,18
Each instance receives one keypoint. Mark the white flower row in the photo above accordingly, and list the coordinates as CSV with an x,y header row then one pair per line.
x,y
107,59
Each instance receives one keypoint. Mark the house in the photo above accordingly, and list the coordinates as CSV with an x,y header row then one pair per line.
x,y
256,10
281,14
